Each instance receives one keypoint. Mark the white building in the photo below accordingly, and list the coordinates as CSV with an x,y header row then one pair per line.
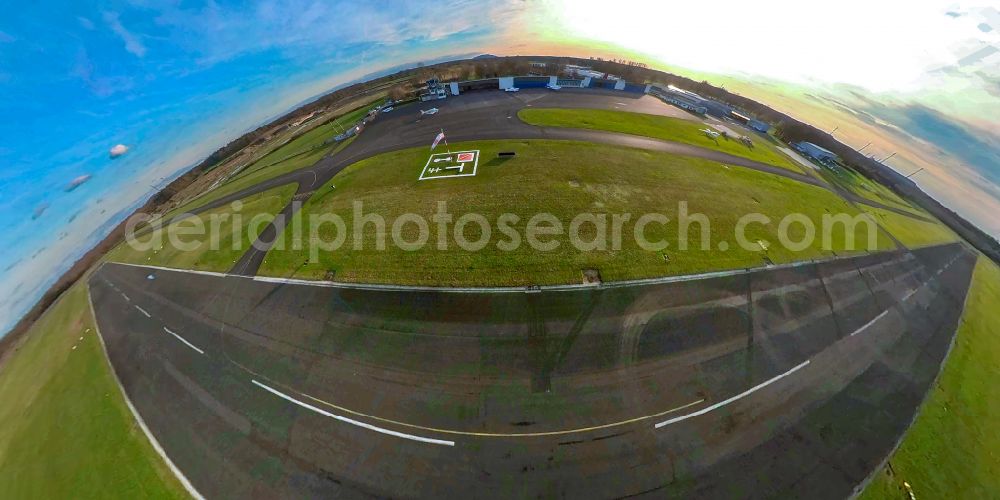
x,y
816,152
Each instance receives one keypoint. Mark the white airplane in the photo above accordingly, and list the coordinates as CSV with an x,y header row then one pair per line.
x,y
710,133
387,109
428,111
553,86
511,89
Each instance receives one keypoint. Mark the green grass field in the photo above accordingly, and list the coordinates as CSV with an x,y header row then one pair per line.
x,y
65,431
565,179
658,127
262,206
246,181
310,140
912,232
866,188
951,450
301,152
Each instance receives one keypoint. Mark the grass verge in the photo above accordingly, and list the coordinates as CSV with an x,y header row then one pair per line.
x,y
65,431
912,232
311,140
658,127
565,179
237,229
951,450
864,187
243,182
299,153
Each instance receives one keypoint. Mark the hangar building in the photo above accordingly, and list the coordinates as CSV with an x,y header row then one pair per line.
x,y
815,152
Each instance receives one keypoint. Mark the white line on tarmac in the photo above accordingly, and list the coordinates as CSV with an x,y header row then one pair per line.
x,y
725,402
500,289
870,323
142,311
182,339
351,421
939,271
126,297
135,413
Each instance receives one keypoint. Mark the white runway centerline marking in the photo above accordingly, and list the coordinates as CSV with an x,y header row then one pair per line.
x,y
725,402
143,311
182,339
870,323
126,297
349,420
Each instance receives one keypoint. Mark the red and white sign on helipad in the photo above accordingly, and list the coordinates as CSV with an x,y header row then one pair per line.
x,y
458,164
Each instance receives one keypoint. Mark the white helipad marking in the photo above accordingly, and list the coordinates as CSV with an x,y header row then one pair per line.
x,y
870,323
351,421
457,161
182,339
725,402
142,311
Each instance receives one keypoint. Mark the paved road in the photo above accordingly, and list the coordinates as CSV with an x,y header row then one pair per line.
x,y
490,115
790,381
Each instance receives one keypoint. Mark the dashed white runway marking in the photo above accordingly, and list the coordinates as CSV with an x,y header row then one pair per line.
x,y
725,402
351,421
143,311
182,339
126,297
870,323
924,284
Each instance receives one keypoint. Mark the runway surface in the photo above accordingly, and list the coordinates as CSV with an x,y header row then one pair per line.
x,y
492,115
789,381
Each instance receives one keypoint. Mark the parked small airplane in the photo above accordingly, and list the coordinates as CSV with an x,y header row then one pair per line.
x,y
710,133
428,111
511,89
553,86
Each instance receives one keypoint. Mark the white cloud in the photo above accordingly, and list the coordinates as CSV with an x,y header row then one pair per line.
x,y
132,43
884,45
100,85
118,150
217,32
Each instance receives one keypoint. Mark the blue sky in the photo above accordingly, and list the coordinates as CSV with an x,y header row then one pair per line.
x,y
176,80
173,82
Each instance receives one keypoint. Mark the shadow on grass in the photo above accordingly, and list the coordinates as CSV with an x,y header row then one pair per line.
x,y
498,161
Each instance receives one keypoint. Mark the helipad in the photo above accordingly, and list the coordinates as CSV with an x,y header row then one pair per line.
x,y
456,164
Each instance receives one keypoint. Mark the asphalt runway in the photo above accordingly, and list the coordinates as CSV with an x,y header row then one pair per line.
x,y
789,381
491,115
